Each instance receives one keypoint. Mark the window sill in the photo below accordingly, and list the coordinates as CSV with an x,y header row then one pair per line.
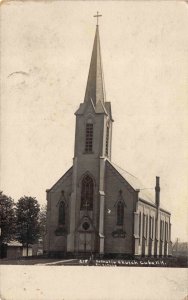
x,y
136,236
119,233
88,152
60,231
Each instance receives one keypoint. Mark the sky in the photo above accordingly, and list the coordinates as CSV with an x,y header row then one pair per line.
x,y
45,54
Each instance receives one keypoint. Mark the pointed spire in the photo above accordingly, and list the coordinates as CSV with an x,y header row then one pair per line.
x,y
95,83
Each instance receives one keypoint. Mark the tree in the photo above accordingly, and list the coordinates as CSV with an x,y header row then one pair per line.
x,y
7,220
27,213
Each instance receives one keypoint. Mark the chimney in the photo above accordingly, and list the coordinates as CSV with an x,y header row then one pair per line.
x,y
157,191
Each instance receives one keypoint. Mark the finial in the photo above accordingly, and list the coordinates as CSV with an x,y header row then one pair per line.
x,y
97,16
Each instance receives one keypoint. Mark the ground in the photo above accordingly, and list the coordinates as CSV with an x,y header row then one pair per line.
x,y
42,282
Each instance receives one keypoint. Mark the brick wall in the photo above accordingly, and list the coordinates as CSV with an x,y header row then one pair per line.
x,y
113,185
57,241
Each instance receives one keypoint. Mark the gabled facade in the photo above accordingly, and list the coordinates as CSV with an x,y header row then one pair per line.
x,y
96,207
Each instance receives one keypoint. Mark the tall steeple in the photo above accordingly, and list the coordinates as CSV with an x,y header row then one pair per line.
x,y
95,83
93,117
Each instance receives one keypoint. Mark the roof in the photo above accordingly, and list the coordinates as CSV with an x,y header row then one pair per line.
x,y
136,184
14,244
99,108
108,109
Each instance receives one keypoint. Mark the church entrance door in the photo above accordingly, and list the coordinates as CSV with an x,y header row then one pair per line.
x,y
85,242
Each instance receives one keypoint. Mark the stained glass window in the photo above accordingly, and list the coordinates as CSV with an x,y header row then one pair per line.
x,y
87,193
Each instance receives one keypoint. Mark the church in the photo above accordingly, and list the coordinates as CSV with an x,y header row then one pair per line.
x,y
96,207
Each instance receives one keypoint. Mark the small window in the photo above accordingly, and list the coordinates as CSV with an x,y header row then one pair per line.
x,y
166,231
89,137
140,224
62,213
162,231
146,227
151,227
143,226
120,213
107,140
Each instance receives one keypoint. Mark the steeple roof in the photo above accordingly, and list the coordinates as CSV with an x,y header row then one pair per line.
x,y
95,83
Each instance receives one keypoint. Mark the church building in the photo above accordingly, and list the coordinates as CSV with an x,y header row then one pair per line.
x,y
97,207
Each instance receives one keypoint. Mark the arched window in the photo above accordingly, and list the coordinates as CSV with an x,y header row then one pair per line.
x,y
87,193
120,213
62,213
89,136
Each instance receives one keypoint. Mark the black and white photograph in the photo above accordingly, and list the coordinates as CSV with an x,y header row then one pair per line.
x,y
93,150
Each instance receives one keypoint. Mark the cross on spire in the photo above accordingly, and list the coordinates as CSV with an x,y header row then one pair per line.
x,y
97,16
95,84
